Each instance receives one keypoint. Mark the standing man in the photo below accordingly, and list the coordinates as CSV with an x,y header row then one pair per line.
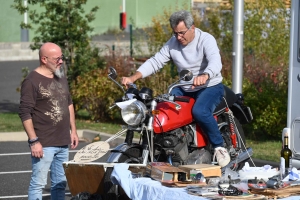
x,y
47,114
191,48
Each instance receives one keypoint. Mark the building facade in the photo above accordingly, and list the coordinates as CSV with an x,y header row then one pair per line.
x,y
139,13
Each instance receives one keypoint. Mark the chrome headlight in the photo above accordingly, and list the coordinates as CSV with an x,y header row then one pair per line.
x,y
135,113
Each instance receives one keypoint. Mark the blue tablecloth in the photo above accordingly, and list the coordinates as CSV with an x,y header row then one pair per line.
x,y
148,189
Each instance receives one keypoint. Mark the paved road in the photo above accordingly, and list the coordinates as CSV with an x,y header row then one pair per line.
x,y
15,169
10,79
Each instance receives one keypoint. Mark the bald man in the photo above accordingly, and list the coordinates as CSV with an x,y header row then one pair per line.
x,y
47,114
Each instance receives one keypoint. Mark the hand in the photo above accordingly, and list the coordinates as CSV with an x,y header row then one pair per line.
x,y
74,140
126,81
37,150
200,80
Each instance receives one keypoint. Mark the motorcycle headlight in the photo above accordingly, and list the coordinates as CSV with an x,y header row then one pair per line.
x,y
134,114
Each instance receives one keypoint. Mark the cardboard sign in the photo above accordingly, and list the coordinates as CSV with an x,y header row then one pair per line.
x,y
91,152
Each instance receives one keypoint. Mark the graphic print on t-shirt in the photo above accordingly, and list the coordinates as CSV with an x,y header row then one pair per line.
x,y
56,94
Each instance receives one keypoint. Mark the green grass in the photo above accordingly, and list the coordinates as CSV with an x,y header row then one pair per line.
x,y
10,122
264,150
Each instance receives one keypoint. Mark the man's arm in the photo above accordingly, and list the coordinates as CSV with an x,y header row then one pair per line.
x,y
36,147
74,136
213,56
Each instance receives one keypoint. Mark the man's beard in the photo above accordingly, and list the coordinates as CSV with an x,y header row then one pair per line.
x,y
59,72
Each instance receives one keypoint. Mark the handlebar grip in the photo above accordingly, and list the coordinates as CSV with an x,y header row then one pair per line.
x,y
182,99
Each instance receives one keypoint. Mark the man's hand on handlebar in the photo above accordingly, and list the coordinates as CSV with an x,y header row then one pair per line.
x,y
127,81
130,80
200,80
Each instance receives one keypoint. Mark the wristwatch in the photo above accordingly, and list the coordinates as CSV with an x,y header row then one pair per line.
x,y
205,73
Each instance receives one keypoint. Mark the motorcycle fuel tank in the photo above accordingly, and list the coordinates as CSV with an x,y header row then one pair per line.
x,y
169,118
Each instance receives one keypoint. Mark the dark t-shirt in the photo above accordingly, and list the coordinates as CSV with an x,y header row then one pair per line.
x,y
46,101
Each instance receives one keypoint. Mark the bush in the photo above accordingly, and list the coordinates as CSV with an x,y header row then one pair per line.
x,y
95,92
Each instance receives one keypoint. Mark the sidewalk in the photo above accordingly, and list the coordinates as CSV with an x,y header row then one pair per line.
x,y
84,135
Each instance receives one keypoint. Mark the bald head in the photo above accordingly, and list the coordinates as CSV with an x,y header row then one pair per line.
x,y
49,48
51,59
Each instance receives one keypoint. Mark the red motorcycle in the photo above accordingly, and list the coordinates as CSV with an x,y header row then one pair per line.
x,y
168,132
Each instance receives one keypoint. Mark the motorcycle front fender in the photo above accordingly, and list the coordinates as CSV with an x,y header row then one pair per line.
x,y
115,156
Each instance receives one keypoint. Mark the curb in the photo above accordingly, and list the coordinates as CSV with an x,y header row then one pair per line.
x,y
84,135
87,135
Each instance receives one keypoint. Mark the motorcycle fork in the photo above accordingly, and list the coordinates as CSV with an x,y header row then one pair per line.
x,y
129,137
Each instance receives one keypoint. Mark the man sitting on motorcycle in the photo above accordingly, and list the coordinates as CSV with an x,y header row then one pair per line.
x,y
195,50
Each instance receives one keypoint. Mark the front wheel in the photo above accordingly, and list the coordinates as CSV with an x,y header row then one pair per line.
x,y
112,191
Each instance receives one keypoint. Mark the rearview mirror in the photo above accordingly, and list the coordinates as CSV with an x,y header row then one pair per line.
x,y
186,75
112,73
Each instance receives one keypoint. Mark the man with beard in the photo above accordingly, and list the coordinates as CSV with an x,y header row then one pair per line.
x,y
47,114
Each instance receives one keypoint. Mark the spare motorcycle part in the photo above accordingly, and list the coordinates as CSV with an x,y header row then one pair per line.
x,y
274,182
230,191
257,183
135,113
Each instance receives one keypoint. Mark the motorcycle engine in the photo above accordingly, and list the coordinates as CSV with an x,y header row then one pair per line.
x,y
176,143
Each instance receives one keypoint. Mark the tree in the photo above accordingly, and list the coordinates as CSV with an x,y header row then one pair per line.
x,y
65,23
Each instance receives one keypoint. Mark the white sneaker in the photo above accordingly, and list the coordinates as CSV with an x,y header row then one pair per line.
x,y
222,155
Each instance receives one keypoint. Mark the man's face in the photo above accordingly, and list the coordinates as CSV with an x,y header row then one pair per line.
x,y
183,34
53,62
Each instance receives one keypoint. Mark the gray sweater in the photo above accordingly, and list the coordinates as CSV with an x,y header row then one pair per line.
x,y
200,55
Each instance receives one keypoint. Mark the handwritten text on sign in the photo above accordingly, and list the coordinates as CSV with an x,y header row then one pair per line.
x,y
91,152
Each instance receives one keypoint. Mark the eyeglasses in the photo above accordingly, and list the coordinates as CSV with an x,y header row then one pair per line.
x,y
62,57
181,34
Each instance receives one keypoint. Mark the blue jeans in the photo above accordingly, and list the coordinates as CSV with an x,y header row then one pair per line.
x,y
53,159
206,100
